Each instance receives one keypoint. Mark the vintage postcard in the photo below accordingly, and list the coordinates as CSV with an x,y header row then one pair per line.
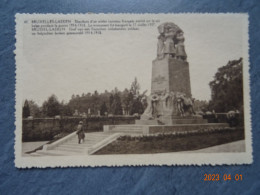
x,y
132,89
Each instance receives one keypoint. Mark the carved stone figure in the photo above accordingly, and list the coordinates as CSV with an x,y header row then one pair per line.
x,y
151,111
169,50
155,99
167,40
184,104
168,27
179,103
180,49
165,99
160,46
148,113
173,101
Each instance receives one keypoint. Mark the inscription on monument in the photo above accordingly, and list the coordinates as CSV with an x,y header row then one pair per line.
x,y
159,79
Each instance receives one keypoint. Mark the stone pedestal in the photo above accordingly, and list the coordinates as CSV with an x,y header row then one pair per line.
x,y
171,120
170,74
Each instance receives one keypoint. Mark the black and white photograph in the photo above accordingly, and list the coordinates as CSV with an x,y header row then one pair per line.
x,y
132,89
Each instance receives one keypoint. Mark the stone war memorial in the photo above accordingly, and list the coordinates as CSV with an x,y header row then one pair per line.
x,y
170,104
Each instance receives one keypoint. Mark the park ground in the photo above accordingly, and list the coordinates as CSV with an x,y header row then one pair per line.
x,y
230,140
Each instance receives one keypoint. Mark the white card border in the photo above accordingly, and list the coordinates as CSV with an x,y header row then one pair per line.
x,y
161,159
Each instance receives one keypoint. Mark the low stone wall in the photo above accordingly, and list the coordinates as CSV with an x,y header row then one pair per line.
x,y
237,120
41,129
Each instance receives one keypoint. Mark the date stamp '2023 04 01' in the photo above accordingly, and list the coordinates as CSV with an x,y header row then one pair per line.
x,y
225,177
132,89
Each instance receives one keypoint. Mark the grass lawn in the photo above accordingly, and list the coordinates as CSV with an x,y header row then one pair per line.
x,y
172,143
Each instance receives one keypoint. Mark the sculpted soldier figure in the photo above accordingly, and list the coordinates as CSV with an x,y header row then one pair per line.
x,y
160,46
169,43
169,47
151,109
155,99
167,40
165,99
180,50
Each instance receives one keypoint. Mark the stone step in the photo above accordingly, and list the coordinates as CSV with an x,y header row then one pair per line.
x,y
70,149
129,127
92,136
79,146
85,141
83,145
127,132
95,135
133,126
73,149
56,153
119,129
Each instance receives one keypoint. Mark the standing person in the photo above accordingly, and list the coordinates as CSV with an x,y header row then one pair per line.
x,y
80,131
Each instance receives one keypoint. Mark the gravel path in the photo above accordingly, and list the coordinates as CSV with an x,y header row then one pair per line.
x,y
237,146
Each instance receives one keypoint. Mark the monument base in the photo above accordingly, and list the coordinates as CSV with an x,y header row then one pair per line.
x,y
161,129
171,120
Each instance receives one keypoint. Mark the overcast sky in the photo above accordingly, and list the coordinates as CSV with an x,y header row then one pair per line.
x,y
66,65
